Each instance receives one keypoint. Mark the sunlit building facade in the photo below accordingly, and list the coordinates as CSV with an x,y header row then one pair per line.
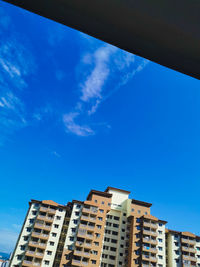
x,y
108,229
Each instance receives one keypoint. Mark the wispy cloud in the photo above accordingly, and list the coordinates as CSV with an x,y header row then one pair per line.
x,y
101,69
73,127
16,64
94,83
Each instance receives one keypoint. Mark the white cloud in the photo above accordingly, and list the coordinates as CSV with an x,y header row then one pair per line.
x,y
93,85
102,65
16,64
71,126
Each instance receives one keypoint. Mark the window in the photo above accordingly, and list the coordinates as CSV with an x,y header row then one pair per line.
x,y
139,211
75,221
132,209
94,261
46,262
114,241
36,205
28,229
98,226
71,238
49,252
138,220
101,211
160,224
114,233
95,201
73,230
121,254
19,257
106,239
160,248
25,238
102,203
58,217
77,213
23,247
123,222
123,230
100,218
116,218
111,257
160,257
78,206
113,249
56,225
96,243
105,247
138,227
160,232
51,243
60,210
115,225
160,240
34,212
145,213
54,234
97,235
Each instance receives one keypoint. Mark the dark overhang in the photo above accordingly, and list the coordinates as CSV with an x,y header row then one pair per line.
x,y
117,189
99,193
166,32
141,203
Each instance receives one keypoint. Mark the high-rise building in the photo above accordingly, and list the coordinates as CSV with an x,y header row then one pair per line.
x,y
108,229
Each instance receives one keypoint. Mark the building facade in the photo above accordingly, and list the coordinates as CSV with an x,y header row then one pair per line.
x,y
108,229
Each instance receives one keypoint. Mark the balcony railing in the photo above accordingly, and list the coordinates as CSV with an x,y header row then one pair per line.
x,y
147,232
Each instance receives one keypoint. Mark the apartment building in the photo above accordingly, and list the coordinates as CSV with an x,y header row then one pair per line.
x,y
108,229
42,234
183,249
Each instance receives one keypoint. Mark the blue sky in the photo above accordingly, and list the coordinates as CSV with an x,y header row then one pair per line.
x,y
77,113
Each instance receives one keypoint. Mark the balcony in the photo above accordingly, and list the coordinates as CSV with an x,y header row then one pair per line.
x,y
40,235
149,249
149,240
82,253
27,263
189,258
42,226
45,218
150,225
188,241
76,263
90,210
37,244
30,263
149,258
34,254
146,232
188,249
